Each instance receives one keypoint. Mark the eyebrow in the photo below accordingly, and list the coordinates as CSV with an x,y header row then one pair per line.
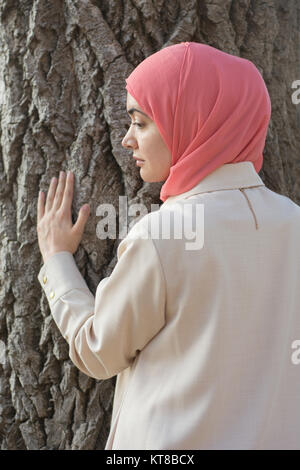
x,y
132,110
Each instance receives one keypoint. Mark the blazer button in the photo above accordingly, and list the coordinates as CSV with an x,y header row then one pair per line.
x,y
52,294
44,279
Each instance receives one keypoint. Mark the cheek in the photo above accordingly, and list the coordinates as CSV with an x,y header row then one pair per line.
x,y
150,142
155,150
156,145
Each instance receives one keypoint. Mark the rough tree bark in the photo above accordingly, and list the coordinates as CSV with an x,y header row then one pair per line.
x,y
63,65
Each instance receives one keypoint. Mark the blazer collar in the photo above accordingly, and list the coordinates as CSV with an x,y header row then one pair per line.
x,y
228,176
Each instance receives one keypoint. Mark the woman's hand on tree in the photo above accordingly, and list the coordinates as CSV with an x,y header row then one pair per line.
x,y
55,229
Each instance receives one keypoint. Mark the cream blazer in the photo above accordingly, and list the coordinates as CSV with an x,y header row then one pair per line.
x,y
205,342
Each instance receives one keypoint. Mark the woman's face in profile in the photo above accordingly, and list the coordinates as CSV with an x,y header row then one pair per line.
x,y
146,143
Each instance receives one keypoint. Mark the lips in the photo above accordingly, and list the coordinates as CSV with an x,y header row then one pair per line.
x,y
136,158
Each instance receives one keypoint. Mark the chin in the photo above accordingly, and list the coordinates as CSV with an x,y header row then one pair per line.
x,y
152,178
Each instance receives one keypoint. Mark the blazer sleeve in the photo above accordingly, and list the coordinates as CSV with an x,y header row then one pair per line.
x,y
105,333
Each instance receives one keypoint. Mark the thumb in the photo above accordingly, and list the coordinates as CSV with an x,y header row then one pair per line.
x,y
82,218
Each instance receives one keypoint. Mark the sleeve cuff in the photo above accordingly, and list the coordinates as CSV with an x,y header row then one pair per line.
x,y
60,274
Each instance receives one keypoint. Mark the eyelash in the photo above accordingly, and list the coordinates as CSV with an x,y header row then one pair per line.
x,y
134,124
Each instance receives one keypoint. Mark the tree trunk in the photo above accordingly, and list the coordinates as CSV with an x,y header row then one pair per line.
x,y
63,106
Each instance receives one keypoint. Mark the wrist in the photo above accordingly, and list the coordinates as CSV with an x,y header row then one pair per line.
x,y
48,254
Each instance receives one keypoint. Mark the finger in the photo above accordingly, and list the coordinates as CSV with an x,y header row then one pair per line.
x,y
68,193
40,206
82,220
60,190
51,194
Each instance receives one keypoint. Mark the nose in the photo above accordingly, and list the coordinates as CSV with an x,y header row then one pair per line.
x,y
128,141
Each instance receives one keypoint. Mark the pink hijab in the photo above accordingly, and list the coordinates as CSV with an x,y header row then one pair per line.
x,y
210,107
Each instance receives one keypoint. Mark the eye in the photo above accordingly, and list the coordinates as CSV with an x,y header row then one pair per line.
x,y
127,126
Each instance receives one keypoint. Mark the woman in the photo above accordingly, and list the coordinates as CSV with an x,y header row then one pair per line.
x,y
203,338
